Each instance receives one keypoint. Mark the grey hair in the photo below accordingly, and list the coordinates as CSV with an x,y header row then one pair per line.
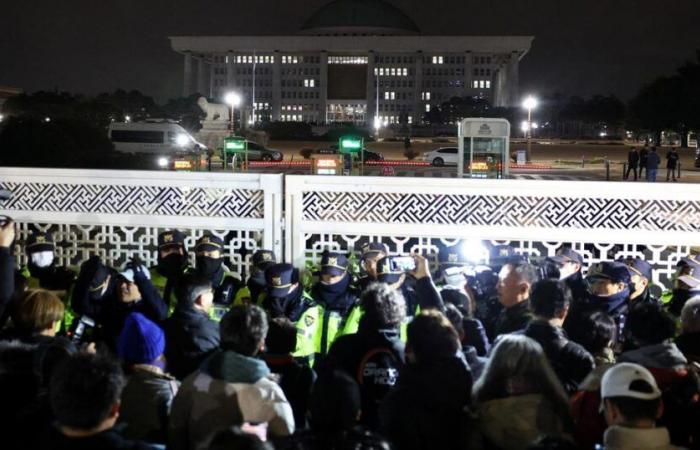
x,y
690,315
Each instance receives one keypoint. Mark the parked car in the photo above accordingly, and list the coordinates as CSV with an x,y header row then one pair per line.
x,y
258,152
442,156
333,150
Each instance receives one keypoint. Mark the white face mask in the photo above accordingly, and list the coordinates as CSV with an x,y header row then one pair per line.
x,y
42,259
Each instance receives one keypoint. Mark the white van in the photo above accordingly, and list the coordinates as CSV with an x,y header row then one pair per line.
x,y
159,138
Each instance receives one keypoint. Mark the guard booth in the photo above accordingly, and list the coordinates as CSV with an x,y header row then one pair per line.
x,y
235,148
483,148
352,148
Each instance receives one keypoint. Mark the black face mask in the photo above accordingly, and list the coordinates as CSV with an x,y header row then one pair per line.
x,y
208,267
171,266
40,272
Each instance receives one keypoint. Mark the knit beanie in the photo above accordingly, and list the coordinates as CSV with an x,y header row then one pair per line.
x,y
141,341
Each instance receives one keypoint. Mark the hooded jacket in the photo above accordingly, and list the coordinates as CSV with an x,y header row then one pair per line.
x,y
623,438
190,336
229,389
425,409
570,361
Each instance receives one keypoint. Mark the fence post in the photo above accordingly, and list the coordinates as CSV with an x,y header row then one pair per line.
x,y
607,170
679,169
624,171
583,161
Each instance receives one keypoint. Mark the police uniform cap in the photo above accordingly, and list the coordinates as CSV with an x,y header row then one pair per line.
x,y
614,271
385,273
638,266
689,260
565,255
171,237
451,257
333,263
262,259
692,276
279,278
209,243
40,241
371,249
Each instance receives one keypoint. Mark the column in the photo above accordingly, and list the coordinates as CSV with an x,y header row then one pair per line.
x,y
231,72
187,76
371,96
277,86
202,81
512,79
323,86
418,108
468,72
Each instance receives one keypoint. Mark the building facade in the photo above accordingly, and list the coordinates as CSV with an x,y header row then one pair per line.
x,y
352,61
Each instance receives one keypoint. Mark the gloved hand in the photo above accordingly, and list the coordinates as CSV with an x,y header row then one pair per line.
x,y
139,268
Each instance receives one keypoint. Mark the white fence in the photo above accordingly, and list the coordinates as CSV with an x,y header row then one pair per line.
x,y
118,214
601,220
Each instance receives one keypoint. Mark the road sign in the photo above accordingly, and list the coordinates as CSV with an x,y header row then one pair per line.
x,y
235,145
350,144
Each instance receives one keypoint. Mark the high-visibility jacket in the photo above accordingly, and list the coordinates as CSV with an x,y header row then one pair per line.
x,y
160,282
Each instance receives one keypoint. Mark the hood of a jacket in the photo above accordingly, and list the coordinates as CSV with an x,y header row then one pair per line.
x,y
623,438
233,367
516,421
443,383
658,356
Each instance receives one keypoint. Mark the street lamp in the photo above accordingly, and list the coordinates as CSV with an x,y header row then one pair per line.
x,y
529,103
377,126
233,99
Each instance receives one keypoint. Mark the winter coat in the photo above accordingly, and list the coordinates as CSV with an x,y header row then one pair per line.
x,y
145,404
190,336
296,381
689,345
514,319
671,160
577,286
475,336
229,389
512,423
425,409
623,438
633,159
476,363
570,361
371,357
653,160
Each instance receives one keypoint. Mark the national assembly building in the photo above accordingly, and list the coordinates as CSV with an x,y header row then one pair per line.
x,y
352,61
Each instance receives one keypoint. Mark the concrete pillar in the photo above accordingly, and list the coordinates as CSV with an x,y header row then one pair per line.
x,y
418,108
231,72
202,81
277,86
323,86
513,79
371,95
468,72
187,76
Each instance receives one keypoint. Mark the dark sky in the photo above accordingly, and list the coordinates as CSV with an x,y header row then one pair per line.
x,y
581,46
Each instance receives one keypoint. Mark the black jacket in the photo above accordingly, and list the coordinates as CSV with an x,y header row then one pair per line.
x,y
633,158
190,336
292,306
110,313
514,319
671,160
575,282
425,409
475,336
7,280
421,294
373,358
296,381
689,345
570,361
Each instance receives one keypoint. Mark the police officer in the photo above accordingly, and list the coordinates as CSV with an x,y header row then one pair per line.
x,y
335,311
209,263
569,262
256,284
451,258
41,270
284,295
371,253
641,275
172,264
686,284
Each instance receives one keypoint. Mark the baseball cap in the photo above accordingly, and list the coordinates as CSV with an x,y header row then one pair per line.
x,y
629,380
209,243
384,272
333,263
638,266
692,277
262,259
451,257
279,278
40,241
371,249
171,237
614,271
565,255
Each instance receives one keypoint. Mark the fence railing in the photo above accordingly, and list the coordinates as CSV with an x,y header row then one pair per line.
x,y
118,214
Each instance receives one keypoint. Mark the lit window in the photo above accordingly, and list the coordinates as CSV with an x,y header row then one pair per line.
x,y
482,84
405,72
393,71
381,71
306,83
427,107
488,84
476,84
376,71
284,59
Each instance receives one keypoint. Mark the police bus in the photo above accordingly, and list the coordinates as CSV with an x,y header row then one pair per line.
x,y
158,138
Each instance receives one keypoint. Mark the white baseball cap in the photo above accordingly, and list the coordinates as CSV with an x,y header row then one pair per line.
x,y
128,273
619,381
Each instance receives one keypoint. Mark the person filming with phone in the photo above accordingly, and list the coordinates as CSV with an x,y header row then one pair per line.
x,y
410,275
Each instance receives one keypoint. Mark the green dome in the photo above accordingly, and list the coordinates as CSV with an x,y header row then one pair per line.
x,y
360,17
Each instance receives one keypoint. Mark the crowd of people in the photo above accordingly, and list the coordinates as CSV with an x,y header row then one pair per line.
x,y
649,160
519,354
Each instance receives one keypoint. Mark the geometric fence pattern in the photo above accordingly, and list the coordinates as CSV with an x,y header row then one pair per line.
x,y
134,199
498,210
115,245
662,258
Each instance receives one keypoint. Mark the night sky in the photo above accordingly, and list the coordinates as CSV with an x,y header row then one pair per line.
x,y
581,47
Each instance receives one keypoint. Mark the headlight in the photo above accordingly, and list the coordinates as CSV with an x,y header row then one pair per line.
x,y
182,140
163,162
278,156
